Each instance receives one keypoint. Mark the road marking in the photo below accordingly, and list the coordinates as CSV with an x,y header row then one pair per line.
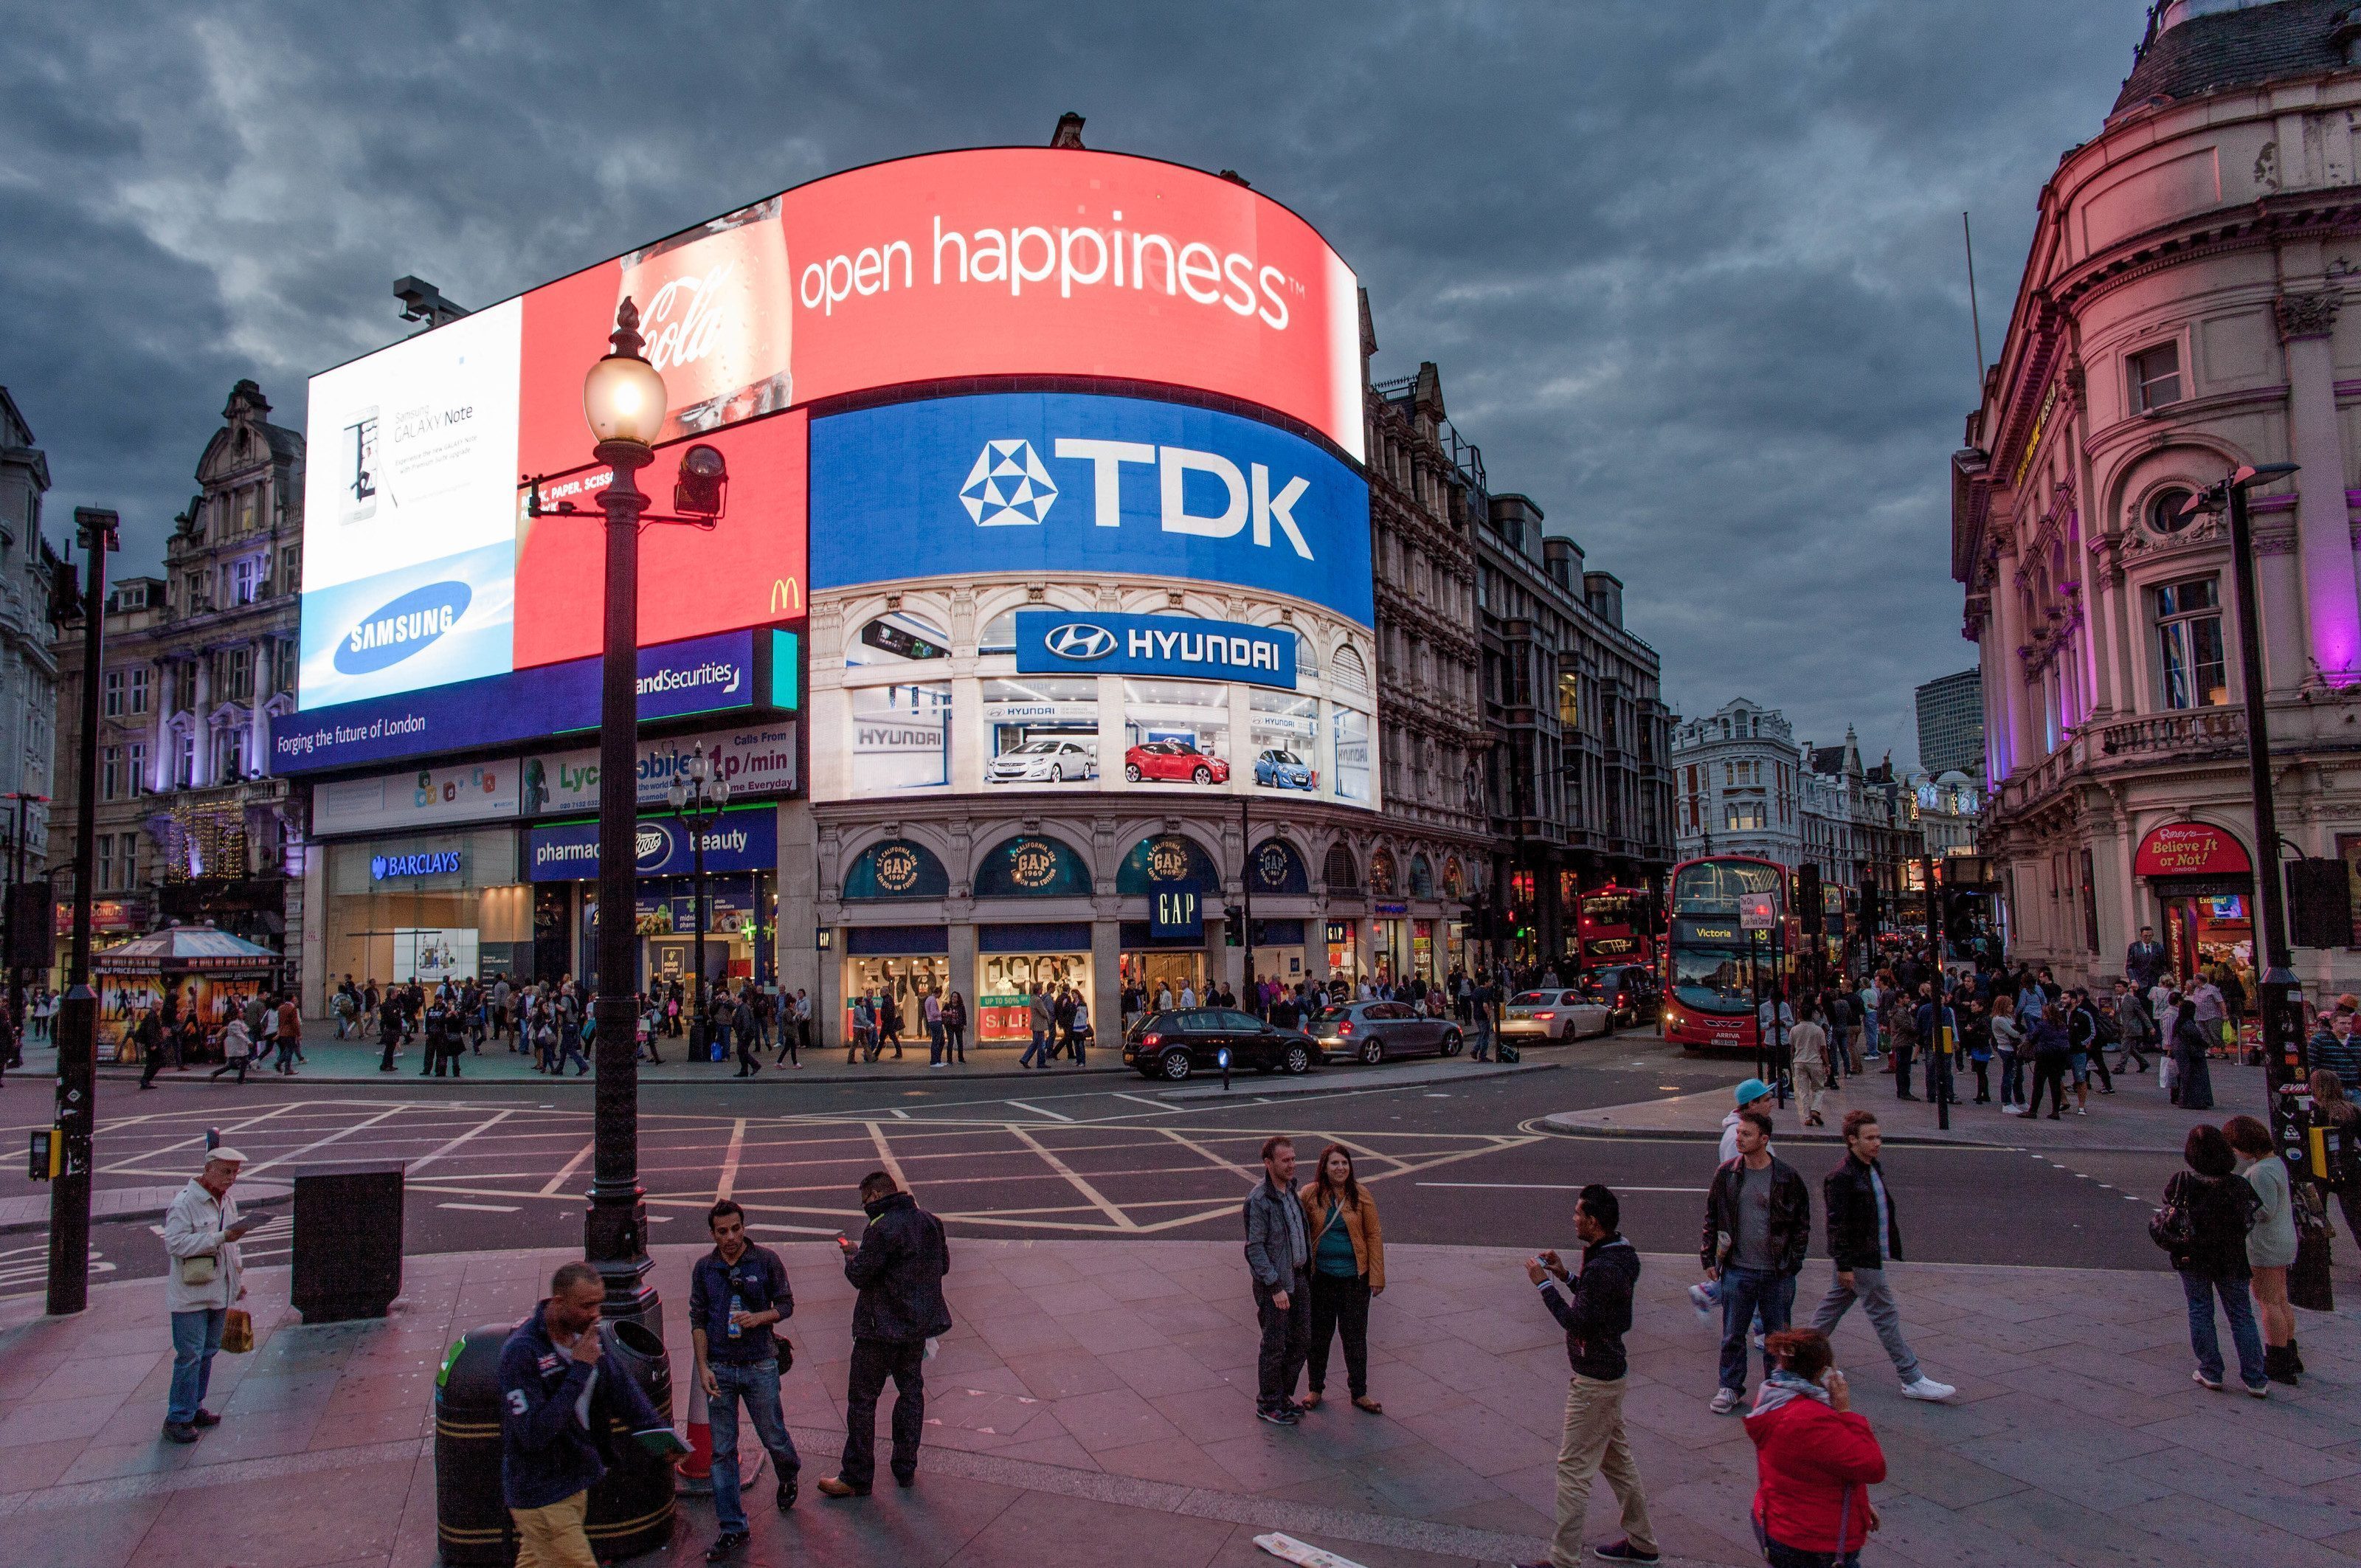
x,y
885,1156
1053,1115
1193,1147
339,1134
730,1161
422,1163
1551,1186
1143,1100
797,1229
550,1187
481,1208
1122,1220
198,1141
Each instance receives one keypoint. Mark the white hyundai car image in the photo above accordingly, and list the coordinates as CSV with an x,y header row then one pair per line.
x,y
1047,761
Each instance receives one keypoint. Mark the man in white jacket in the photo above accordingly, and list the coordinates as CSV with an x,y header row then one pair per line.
x,y
201,1235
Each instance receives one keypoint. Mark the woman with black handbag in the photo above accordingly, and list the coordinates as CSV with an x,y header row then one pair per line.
x,y
2208,1208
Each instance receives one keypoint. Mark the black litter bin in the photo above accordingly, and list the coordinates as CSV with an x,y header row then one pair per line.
x,y
471,1522
631,1509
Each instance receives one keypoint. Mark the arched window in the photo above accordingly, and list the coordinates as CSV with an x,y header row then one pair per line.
x,y
2163,513
1454,878
1031,865
1276,868
999,634
1350,671
1307,656
1421,877
1166,857
1381,872
895,869
1339,872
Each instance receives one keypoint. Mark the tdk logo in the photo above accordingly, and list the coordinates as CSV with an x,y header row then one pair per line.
x,y
1080,641
1008,486
402,626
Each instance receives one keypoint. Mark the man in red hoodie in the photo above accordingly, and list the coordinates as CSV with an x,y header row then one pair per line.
x,y
1814,1459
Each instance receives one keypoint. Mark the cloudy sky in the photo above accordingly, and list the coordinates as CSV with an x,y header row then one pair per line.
x,y
1691,271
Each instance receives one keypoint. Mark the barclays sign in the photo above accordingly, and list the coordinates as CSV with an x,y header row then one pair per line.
x,y
1059,482
1058,641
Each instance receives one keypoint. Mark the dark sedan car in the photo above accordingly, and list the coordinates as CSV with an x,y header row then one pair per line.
x,y
1190,1039
1370,1032
1627,991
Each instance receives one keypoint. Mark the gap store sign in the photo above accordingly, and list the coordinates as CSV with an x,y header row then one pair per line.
x,y
1059,482
1071,642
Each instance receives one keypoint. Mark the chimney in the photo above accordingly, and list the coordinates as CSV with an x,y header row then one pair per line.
x,y
1068,132
1604,590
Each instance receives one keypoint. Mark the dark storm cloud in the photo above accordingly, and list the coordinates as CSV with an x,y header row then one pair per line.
x,y
1692,272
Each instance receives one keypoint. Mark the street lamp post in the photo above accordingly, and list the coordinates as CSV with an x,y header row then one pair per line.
x,y
16,938
696,802
2285,1062
623,401
68,1276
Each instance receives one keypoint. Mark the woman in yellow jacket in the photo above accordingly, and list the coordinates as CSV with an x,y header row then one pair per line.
x,y
1348,1266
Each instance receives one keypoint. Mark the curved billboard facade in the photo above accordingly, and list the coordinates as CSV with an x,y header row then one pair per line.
x,y
420,569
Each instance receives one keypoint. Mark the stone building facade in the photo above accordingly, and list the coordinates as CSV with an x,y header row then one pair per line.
x,y
2180,315
1737,785
191,826
29,674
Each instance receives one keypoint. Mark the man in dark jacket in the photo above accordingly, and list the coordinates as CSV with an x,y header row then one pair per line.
x,y
2144,960
1595,1322
1758,1226
898,1268
557,1404
1279,1259
1863,1232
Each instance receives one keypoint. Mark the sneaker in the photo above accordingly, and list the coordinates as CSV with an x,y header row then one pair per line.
x,y
1624,1551
1279,1418
725,1546
2082,1110
1926,1388
1726,1400
1755,1339
2202,1381
1702,1299
181,1431
2259,1391
787,1490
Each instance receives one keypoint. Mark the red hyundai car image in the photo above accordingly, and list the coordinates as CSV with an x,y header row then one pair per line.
x,y
1175,761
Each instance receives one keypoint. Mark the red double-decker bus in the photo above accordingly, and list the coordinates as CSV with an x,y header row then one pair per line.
x,y
1712,965
1616,926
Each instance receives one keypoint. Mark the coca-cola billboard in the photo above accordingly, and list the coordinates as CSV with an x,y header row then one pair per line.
x,y
1014,261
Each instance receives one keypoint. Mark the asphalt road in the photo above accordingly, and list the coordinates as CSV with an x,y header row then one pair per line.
x,y
1455,1160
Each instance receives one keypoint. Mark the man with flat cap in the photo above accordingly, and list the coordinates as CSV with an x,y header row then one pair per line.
x,y
203,1281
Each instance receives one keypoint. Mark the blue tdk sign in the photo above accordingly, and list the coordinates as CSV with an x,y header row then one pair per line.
x,y
1059,482
1070,642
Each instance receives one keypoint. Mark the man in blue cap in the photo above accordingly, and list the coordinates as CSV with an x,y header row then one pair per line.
x,y
1705,1294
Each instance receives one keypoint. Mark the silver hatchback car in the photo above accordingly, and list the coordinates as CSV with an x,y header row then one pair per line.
x,y
1372,1032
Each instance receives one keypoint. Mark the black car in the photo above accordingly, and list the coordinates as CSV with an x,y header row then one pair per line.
x,y
1629,992
1190,1039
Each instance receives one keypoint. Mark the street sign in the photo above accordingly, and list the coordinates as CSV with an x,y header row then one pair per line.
x,y
1756,912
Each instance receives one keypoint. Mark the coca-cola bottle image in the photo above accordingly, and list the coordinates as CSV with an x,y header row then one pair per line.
x,y
716,307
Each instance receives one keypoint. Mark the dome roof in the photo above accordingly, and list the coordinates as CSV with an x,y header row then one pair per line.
x,y
2192,50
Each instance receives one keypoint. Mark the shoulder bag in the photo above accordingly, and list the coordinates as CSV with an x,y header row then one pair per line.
x,y
2172,1226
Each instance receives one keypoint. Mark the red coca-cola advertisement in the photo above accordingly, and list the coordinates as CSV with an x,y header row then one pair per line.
x,y
1044,261
748,570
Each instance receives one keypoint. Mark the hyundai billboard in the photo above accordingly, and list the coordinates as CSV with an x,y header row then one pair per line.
x,y
421,568
1059,482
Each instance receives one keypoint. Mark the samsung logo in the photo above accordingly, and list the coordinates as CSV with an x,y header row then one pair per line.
x,y
402,626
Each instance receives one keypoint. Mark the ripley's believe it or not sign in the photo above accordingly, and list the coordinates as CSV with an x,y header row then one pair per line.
x,y
419,568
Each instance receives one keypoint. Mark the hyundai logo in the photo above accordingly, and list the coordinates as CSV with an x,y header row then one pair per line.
x,y
402,627
1080,640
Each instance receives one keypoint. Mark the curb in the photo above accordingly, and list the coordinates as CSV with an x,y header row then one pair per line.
x,y
1563,1124
1311,1083
720,1074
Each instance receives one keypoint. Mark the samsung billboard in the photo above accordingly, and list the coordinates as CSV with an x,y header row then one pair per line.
x,y
1070,483
420,570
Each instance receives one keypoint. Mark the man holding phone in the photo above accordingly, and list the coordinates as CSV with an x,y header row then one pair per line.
x,y
898,1268
201,1236
736,1292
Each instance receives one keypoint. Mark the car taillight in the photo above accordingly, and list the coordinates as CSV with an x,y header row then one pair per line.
x,y
1345,1027
1545,1015
1151,1039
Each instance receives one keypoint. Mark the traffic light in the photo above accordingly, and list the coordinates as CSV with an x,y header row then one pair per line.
x,y
1234,925
1808,898
1869,913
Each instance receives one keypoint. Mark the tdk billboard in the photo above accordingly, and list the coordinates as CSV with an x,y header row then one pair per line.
x,y
1055,482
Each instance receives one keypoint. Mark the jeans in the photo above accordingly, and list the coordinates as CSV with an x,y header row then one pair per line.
x,y
873,1361
1779,1556
573,1053
1286,1340
1340,1304
197,1340
1902,1069
2200,1292
2012,1079
1594,1444
2050,1072
1743,1292
1869,1033
1040,1047
1875,1293
934,1041
748,1062
757,1383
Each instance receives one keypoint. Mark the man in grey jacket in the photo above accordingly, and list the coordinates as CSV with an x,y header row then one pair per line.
x,y
201,1282
1279,1252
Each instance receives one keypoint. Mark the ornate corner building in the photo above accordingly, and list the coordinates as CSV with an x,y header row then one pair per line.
x,y
191,826
2180,315
28,675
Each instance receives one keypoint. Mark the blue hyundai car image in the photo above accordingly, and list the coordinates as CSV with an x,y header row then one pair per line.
x,y
1279,769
